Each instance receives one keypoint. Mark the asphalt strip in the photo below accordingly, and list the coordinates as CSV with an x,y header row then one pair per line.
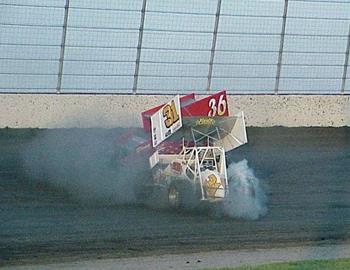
x,y
202,260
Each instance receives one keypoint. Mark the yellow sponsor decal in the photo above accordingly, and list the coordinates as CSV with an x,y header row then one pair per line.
x,y
211,181
170,114
212,185
205,122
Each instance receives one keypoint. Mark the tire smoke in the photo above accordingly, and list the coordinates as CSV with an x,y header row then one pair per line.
x,y
247,198
82,163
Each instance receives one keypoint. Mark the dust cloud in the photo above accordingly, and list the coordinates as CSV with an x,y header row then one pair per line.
x,y
247,198
85,164
82,162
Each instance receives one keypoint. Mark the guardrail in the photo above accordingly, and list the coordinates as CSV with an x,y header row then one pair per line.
x,y
164,47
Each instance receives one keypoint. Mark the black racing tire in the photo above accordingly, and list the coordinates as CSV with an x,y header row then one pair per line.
x,y
143,187
143,193
181,195
174,196
217,209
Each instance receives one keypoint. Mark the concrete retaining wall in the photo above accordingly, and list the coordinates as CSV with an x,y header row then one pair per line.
x,y
63,111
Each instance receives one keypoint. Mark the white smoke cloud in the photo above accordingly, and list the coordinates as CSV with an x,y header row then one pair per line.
x,y
83,163
247,198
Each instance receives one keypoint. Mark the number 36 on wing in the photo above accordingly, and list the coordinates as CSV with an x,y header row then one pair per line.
x,y
214,105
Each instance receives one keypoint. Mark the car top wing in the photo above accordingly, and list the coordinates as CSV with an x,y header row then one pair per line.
x,y
146,115
166,121
228,132
213,105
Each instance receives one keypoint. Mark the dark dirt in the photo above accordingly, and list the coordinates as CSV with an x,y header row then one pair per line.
x,y
307,171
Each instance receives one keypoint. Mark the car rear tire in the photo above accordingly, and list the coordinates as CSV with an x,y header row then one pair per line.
x,y
174,196
181,195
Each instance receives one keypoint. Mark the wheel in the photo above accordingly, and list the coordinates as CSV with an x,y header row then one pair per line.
x,y
181,195
174,196
143,193
143,187
217,209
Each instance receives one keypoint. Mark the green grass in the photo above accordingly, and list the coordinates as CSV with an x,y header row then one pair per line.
x,y
340,264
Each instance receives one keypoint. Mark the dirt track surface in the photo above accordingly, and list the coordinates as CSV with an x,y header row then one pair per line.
x,y
204,260
307,172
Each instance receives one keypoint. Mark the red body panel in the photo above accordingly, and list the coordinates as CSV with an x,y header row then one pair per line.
x,y
205,106
214,105
141,147
147,114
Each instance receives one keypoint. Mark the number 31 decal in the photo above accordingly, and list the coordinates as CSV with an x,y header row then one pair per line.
x,y
219,108
170,114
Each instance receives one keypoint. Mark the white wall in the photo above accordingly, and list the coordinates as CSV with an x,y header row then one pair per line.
x,y
63,111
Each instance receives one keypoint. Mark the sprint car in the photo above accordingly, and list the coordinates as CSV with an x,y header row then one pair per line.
x,y
184,143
